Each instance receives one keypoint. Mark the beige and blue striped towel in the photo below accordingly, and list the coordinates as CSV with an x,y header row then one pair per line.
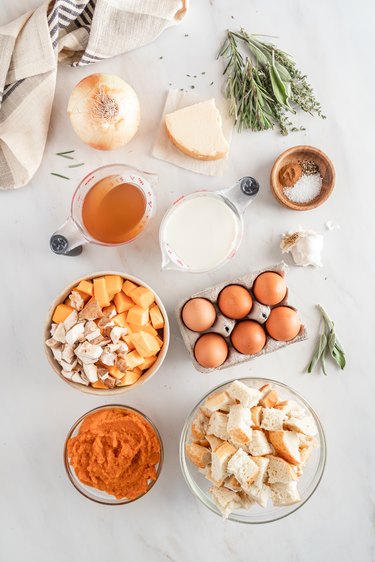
x,y
74,32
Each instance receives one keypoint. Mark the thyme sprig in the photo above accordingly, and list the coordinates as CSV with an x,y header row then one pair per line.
x,y
328,345
265,86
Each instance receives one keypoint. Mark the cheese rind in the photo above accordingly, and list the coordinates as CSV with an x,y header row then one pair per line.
x,y
196,130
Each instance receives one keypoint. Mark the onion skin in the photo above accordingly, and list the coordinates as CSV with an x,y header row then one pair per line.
x,y
104,111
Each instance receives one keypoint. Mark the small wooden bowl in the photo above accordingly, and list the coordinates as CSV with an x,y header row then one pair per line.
x,y
119,389
293,155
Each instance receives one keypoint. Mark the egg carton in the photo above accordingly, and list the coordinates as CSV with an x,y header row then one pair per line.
x,y
224,325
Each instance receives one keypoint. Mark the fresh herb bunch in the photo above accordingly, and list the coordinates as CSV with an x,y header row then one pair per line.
x,y
264,87
328,344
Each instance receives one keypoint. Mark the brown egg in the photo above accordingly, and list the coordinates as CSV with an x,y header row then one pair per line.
x,y
198,314
235,302
269,288
248,337
283,323
211,350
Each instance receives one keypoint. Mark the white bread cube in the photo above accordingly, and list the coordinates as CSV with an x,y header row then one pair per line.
x,y
259,445
232,484
246,395
272,419
285,494
259,494
256,416
214,442
199,426
217,401
239,425
286,444
262,463
207,473
279,470
304,425
243,468
200,456
218,425
220,459
291,409
269,396
225,500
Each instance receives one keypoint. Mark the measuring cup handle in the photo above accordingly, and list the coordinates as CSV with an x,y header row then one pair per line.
x,y
242,193
67,240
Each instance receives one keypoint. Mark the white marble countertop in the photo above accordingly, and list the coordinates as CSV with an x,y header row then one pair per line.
x,y
42,517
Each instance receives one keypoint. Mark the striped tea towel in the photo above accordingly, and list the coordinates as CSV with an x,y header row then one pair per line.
x,y
74,32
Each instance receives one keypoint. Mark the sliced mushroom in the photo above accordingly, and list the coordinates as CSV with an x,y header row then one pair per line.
x,y
71,320
75,333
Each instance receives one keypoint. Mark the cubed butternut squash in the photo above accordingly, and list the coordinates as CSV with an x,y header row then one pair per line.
x,y
62,311
146,328
148,361
133,359
145,344
100,292
129,378
113,284
120,320
128,287
142,297
122,302
156,317
85,287
137,315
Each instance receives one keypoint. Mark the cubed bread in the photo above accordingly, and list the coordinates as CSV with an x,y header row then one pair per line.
x,y
256,416
279,470
262,463
285,494
218,425
239,424
214,442
232,484
246,395
217,401
304,425
225,500
207,473
286,444
272,419
259,494
269,396
199,426
200,456
220,458
259,445
291,409
243,468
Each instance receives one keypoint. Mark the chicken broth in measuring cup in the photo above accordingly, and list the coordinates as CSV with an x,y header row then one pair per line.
x,y
112,212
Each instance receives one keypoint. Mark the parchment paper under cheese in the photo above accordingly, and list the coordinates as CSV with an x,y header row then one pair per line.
x,y
165,150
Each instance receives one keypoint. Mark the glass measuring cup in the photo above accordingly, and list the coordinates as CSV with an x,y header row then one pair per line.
x,y
73,234
200,232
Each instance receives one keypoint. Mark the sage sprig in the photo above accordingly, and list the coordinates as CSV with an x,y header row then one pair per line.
x,y
328,345
265,86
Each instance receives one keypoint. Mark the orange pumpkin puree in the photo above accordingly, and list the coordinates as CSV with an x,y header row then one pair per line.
x,y
115,451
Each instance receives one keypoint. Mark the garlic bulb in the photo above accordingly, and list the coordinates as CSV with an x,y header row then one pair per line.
x,y
305,246
104,111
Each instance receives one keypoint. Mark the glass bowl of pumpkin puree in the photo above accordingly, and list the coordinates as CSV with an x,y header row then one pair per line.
x,y
113,454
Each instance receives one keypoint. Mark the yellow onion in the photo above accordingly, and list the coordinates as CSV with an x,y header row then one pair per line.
x,y
104,111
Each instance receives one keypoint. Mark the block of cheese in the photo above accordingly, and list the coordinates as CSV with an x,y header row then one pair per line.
x,y
133,359
145,344
62,311
138,316
148,361
85,287
146,328
142,297
100,292
114,284
122,302
196,130
156,317
128,287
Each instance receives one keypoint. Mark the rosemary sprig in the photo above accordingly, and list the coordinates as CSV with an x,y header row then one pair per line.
x,y
76,165
66,154
264,87
328,345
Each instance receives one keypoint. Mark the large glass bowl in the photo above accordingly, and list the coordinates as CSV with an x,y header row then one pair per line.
x,y
307,484
94,494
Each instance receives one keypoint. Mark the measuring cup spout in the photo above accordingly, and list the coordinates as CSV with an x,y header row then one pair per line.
x,y
242,193
67,240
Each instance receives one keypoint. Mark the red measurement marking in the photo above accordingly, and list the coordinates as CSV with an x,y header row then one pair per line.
x,y
179,199
132,178
141,181
89,179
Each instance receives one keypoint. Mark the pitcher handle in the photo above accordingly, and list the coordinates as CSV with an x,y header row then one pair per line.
x,y
67,240
242,193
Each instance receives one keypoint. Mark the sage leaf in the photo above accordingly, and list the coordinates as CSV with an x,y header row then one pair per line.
x,y
318,353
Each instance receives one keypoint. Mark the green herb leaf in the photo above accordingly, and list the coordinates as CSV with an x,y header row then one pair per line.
x,y
328,345
318,353
59,176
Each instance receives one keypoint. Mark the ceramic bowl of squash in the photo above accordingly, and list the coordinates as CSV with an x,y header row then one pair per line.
x,y
164,333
